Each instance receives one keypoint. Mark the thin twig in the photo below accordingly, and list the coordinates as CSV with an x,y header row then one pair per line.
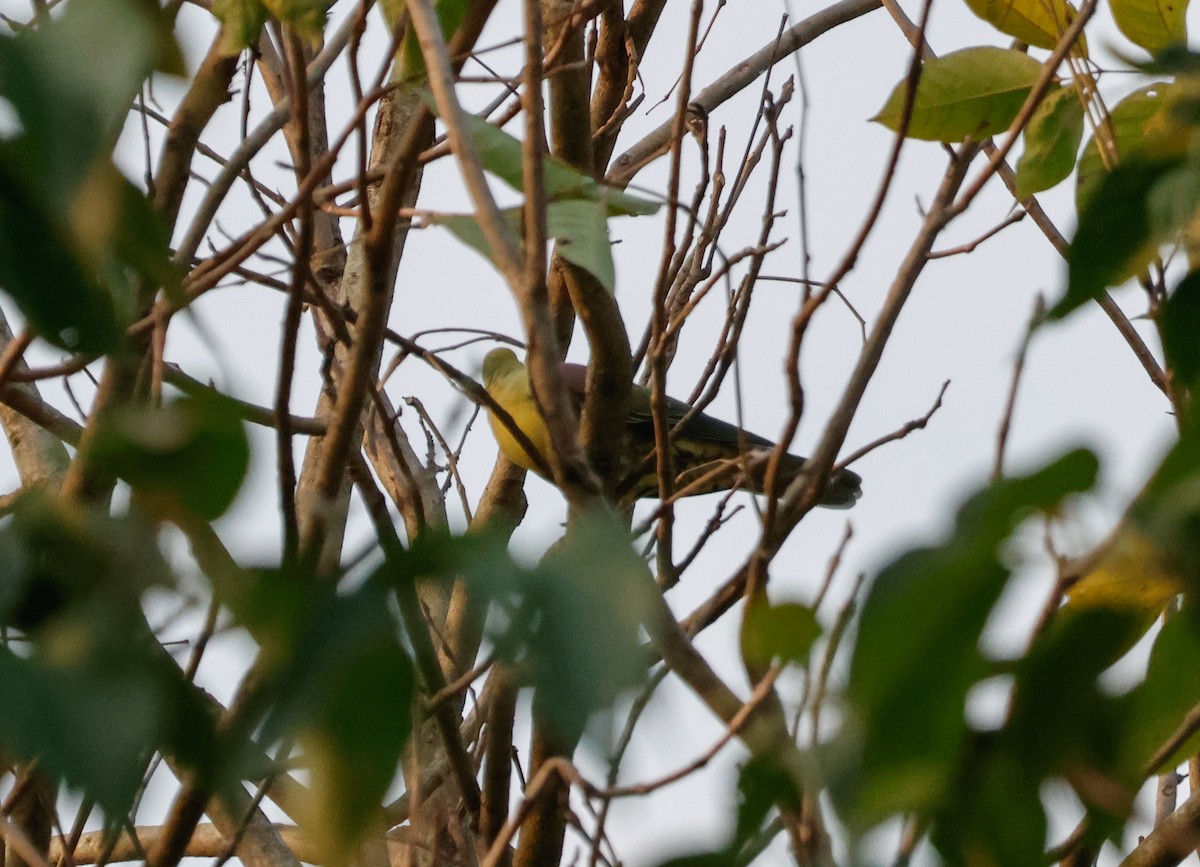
x,y
1039,307
900,433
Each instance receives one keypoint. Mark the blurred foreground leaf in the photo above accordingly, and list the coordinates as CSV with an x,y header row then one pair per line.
x,y
336,678
89,693
918,652
191,454
85,233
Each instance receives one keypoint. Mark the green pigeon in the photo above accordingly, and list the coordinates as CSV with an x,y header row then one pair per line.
x,y
707,454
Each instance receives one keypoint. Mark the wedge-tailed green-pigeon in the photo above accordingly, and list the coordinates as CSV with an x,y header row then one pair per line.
x,y
707,454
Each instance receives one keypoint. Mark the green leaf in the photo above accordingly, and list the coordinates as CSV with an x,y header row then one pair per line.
x,y
1179,323
581,228
784,631
1051,142
1036,22
577,206
57,557
466,228
1151,24
579,225
1175,59
918,653
501,154
359,686
410,63
190,454
973,92
241,23
702,859
1117,234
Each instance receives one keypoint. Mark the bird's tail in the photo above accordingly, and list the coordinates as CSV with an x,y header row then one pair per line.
x,y
747,471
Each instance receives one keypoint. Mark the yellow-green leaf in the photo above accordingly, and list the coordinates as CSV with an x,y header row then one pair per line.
x,y
973,92
1051,142
1152,24
410,64
241,22
306,17
1039,22
1141,123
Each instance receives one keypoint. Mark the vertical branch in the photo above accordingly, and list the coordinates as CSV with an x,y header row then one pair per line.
x,y
659,320
532,152
291,326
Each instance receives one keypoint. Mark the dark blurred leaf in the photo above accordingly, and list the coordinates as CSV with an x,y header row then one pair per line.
x,y
1178,473
1156,708
92,695
573,621
1060,719
95,734
762,786
784,631
588,599
1168,512
918,654
1175,59
71,82
43,274
704,859
360,686
190,454
57,555
336,677
1114,231
140,240
1179,321
996,813
74,230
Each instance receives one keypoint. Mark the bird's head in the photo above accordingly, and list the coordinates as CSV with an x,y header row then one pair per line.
x,y
499,362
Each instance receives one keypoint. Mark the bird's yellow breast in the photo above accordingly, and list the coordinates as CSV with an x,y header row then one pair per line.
x,y
512,393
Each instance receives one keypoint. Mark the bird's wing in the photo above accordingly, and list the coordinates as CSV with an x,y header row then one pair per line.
x,y
700,428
